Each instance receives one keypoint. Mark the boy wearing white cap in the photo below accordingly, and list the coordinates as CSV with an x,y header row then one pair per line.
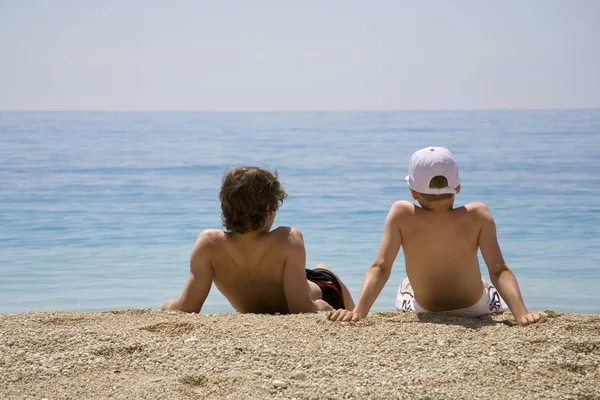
x,y
440,245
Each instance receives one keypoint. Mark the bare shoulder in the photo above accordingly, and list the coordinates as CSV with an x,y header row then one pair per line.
x,y
210,238
212,235
288,234
479,210
204,248
289,241
401,208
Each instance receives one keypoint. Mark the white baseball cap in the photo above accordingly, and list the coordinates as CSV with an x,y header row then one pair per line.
x,y
428,163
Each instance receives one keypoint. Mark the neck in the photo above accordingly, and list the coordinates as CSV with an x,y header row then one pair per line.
x,y
438,206
251,234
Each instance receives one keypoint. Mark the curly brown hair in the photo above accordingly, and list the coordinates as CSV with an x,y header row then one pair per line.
x,y
248,196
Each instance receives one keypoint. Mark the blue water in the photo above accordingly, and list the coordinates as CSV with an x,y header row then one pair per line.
x,y
100,210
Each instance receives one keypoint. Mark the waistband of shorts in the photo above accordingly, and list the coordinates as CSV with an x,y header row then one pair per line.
x,y
474,308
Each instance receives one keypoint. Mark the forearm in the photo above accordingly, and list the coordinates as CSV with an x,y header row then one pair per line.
x,y
506,284
375,280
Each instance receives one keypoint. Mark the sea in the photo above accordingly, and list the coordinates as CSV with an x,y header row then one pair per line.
x,y
100,210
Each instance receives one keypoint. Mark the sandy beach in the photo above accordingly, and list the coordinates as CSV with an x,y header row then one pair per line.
x,y
148,354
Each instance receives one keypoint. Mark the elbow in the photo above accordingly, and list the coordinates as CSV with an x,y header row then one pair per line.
x,y
380,268
498,271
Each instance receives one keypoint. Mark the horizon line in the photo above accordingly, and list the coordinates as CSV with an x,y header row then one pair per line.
x,y
590,108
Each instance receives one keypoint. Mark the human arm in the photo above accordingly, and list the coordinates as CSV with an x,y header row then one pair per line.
x,y
500,274
379,272
199,281
295,284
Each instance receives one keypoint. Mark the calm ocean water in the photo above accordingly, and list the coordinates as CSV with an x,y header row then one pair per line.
x,y
100,210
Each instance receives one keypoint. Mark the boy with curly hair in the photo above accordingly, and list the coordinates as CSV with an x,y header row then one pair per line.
x,y
257,269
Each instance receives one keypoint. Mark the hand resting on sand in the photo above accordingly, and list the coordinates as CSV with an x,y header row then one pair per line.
x,y
530,318
342,315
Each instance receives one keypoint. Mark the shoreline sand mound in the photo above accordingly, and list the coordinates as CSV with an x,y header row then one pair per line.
x,y
148,354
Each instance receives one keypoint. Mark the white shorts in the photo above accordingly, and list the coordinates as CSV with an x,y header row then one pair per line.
x,y
489,303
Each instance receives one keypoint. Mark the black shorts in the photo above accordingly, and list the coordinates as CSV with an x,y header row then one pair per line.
x,y
330,286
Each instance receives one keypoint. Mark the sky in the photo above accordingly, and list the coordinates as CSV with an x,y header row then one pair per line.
x,y
238,55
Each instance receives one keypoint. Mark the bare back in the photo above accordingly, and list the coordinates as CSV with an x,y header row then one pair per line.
x,y
248,271
440,250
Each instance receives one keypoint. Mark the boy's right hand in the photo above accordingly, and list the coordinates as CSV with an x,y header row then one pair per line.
x,y
530,318
342,315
